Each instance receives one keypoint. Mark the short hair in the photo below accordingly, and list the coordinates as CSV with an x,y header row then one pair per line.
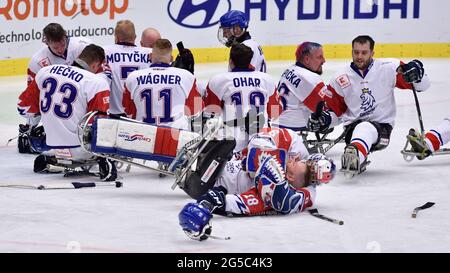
x,y
125,31
162,48
241,55
304,49
54,32
362,39
92,53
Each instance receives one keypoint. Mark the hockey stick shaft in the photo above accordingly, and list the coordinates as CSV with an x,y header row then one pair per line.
x,y
315,213
419,112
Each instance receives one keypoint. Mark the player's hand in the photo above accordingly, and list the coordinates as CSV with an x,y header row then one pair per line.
x,y
319,122
185,60
412,71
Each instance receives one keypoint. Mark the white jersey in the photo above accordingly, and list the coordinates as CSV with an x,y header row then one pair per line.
x,y
63,95
370,96
236,180
258,61
122,59
162,95
299,90
44,57
232,94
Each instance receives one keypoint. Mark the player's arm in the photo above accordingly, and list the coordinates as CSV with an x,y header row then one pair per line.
x,y
213,104
274,106
128,104
194,102
28,105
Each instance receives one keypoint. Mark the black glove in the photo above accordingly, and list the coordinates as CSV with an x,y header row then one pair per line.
x,y
412,71
185,60
319,122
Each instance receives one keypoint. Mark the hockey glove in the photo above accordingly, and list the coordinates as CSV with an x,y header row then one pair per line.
x,y
194,220
185,60
319,123
214,200
412,71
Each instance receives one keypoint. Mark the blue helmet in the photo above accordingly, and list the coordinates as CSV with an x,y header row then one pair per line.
x,y
194,220
234,17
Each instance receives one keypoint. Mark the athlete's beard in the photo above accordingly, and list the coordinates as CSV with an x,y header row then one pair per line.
x,y
365,65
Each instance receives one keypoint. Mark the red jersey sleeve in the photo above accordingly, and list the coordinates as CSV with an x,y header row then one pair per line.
x,y
212,103
128,104
29,100
315,97
100,102
194,102
274,107
335,102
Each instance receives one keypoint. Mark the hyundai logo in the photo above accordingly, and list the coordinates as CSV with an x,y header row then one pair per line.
x,y
202,15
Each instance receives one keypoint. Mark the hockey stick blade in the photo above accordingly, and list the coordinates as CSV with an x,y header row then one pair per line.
x,y
424,206
315,213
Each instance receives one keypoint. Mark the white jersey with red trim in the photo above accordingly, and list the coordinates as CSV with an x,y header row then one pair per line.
x,y
63,95
258,61
162,95
232,94
122,59
236,180
370,96
44,57
300,90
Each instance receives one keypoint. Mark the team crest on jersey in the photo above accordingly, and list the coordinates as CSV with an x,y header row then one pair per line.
x,y
343,81
367,102
44,62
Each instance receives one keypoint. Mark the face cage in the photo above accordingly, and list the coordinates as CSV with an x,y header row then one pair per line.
x,y
313,174
201,235
228,42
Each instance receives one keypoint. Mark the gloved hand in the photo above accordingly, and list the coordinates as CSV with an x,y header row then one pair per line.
x,y
185,60
412,71
319,122
194,220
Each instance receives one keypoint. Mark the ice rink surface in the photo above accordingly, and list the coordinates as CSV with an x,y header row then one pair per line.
x,y
143,215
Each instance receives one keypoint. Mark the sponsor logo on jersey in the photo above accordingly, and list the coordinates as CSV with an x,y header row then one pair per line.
x,y
343,81
134,137
44,62
203,15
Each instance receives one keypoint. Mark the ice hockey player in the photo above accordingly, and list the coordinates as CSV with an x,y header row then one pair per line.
x,y
162,94
149,37
233,94
123,58
63,94
426,145
60,49
233,30
277,189
300,87
362,96
217,167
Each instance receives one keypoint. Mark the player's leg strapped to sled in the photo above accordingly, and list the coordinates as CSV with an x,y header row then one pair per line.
x,y
185,153
363,137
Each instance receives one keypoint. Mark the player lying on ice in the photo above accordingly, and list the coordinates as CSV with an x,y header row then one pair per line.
x,y
274,191
276,176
